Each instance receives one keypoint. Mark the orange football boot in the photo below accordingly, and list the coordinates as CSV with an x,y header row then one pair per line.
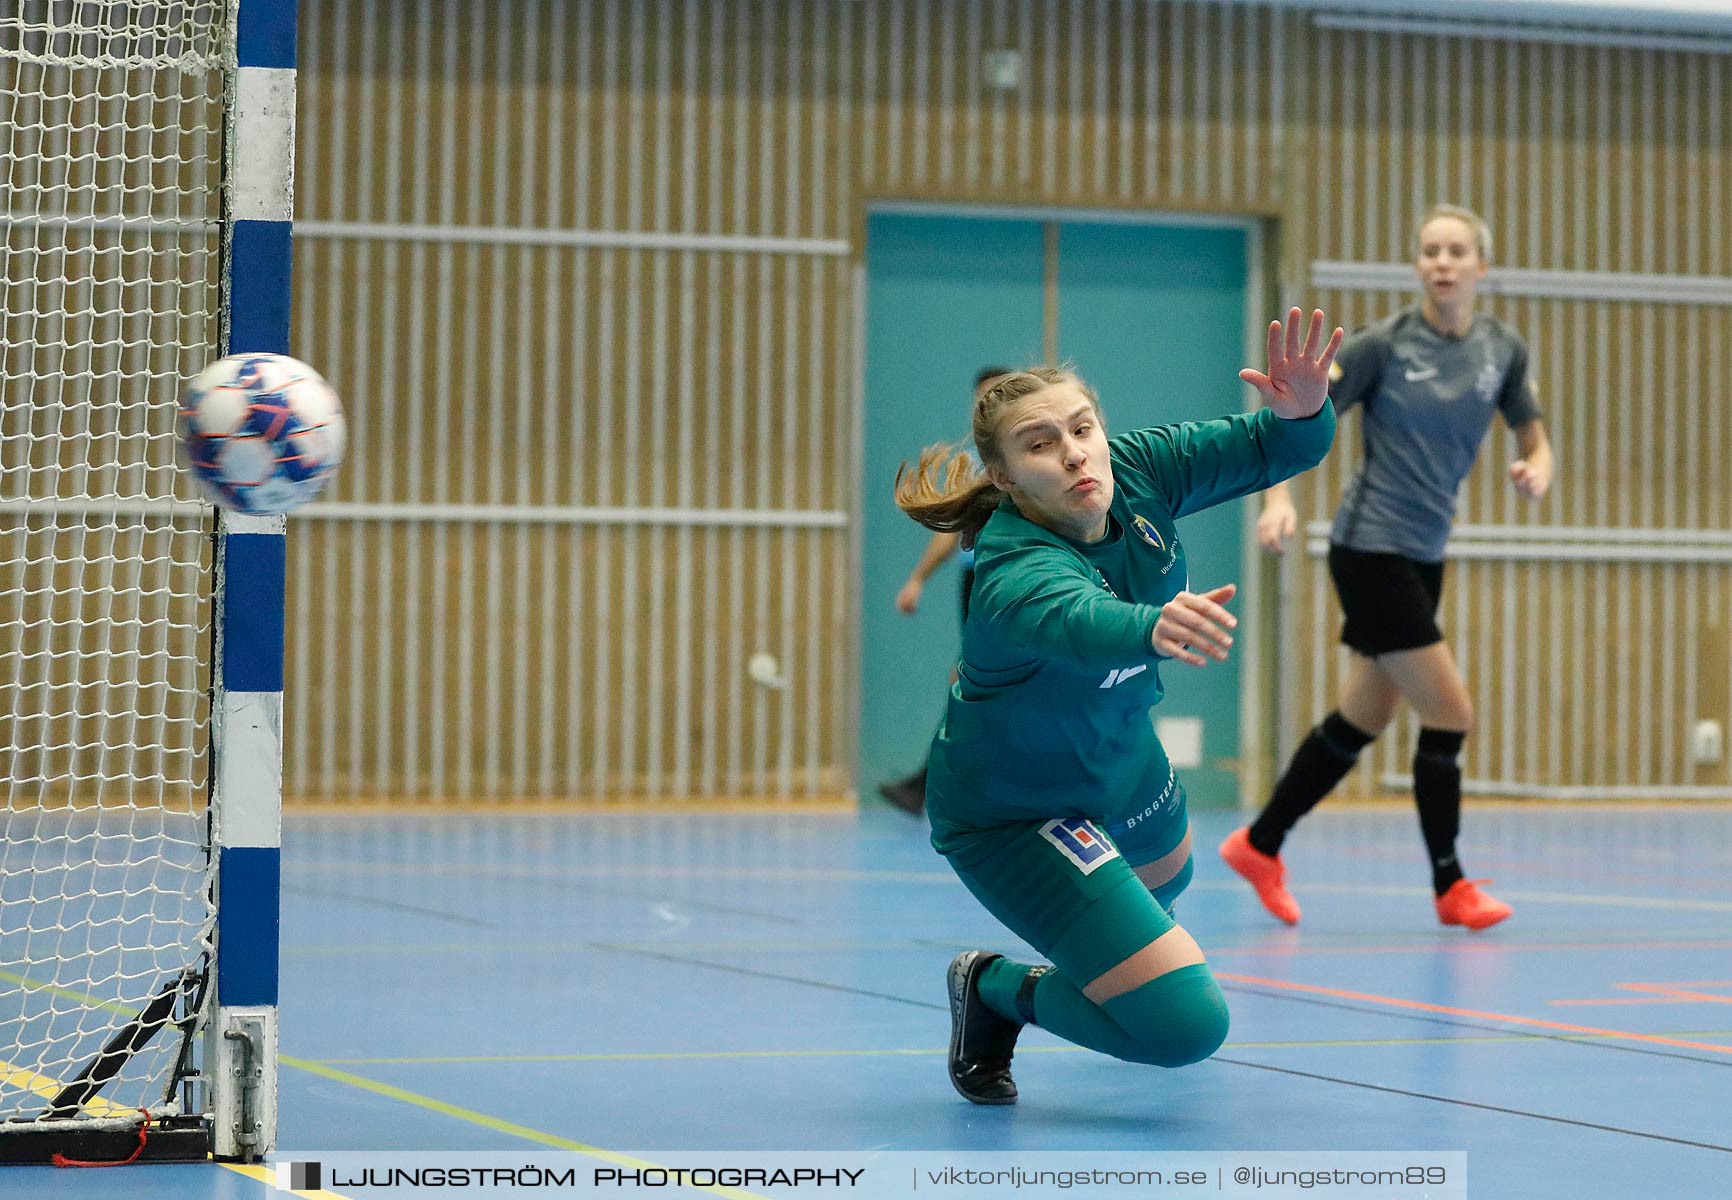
x,y
1263,872
1465,904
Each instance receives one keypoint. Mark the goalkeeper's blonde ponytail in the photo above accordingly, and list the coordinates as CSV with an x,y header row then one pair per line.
x,y
946,488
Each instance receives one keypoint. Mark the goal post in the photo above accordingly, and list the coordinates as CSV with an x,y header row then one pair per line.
x,y
146,166
247,704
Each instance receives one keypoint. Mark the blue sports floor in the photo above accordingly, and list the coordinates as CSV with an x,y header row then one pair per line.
x,y
702,981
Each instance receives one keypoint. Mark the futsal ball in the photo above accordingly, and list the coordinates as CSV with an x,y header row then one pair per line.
x,y
262,433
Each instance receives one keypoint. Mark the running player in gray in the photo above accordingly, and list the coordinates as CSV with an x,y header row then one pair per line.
x,y
1428,380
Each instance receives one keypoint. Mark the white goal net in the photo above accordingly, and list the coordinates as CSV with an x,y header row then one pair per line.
x,y
111,139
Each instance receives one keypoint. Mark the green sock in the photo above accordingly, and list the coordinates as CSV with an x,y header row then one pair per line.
x,y
1061,1009
999,983
1178,1018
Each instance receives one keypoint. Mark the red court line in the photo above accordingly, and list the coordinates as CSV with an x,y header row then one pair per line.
x,y
1529,868
1662,993
1619,1000
1396,1002
1684,983
1482,946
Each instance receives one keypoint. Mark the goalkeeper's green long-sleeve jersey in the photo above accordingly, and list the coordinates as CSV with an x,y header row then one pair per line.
x,y
1049,715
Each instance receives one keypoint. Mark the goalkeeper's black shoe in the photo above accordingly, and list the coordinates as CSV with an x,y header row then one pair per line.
x,y
981,1041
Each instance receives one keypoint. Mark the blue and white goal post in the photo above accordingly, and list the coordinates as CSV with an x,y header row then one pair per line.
x,y
146,184
240,1058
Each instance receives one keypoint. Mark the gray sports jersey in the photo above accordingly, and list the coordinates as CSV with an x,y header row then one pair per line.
x,y
1428,400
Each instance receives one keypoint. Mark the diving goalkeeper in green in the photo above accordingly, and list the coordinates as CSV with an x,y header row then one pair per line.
x,y
1047,789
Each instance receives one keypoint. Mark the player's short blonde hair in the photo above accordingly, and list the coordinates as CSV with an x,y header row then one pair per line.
x,y
1475,222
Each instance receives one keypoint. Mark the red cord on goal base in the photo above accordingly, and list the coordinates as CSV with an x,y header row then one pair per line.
x,y
60,1160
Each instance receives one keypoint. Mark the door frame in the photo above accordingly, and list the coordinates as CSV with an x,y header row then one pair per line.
x,y
1260,581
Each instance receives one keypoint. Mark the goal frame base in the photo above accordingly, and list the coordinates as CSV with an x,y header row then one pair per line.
x,y
170,1139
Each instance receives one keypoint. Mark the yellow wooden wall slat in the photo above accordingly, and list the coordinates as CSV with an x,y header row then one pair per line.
x,y
785,119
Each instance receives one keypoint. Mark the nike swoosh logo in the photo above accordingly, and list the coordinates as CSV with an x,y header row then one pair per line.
x,y
1416,376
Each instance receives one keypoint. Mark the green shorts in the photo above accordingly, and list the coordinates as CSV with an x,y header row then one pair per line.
x,y
1067,889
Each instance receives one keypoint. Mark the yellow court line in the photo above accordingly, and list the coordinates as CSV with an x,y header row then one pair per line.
x,y
377,806
647,1056
84,998
46,1086
268,1176
703,1055
43,1085
1526,805
766,945
640,805
937,878
495,1123
1477,1014
815,945
408,1097
564,871
1499,946
1594,899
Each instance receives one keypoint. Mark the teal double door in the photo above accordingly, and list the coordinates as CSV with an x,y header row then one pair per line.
x,y
1152,316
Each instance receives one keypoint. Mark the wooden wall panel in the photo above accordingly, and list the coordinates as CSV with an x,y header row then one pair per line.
x,y
553,363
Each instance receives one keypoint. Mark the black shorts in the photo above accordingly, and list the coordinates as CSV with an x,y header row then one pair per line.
x,y
1390,600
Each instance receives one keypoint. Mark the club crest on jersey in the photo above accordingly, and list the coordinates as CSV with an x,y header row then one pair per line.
x,y
1079,841
1146,530
1489,381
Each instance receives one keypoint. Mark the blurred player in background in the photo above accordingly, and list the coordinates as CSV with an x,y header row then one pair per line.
x,y
1429,380
909,792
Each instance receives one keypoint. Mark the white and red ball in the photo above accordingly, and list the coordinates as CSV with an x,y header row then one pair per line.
x,y
263,433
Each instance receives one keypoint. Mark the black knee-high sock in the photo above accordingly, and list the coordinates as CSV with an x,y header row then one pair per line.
x,y
1323,758
1437,790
